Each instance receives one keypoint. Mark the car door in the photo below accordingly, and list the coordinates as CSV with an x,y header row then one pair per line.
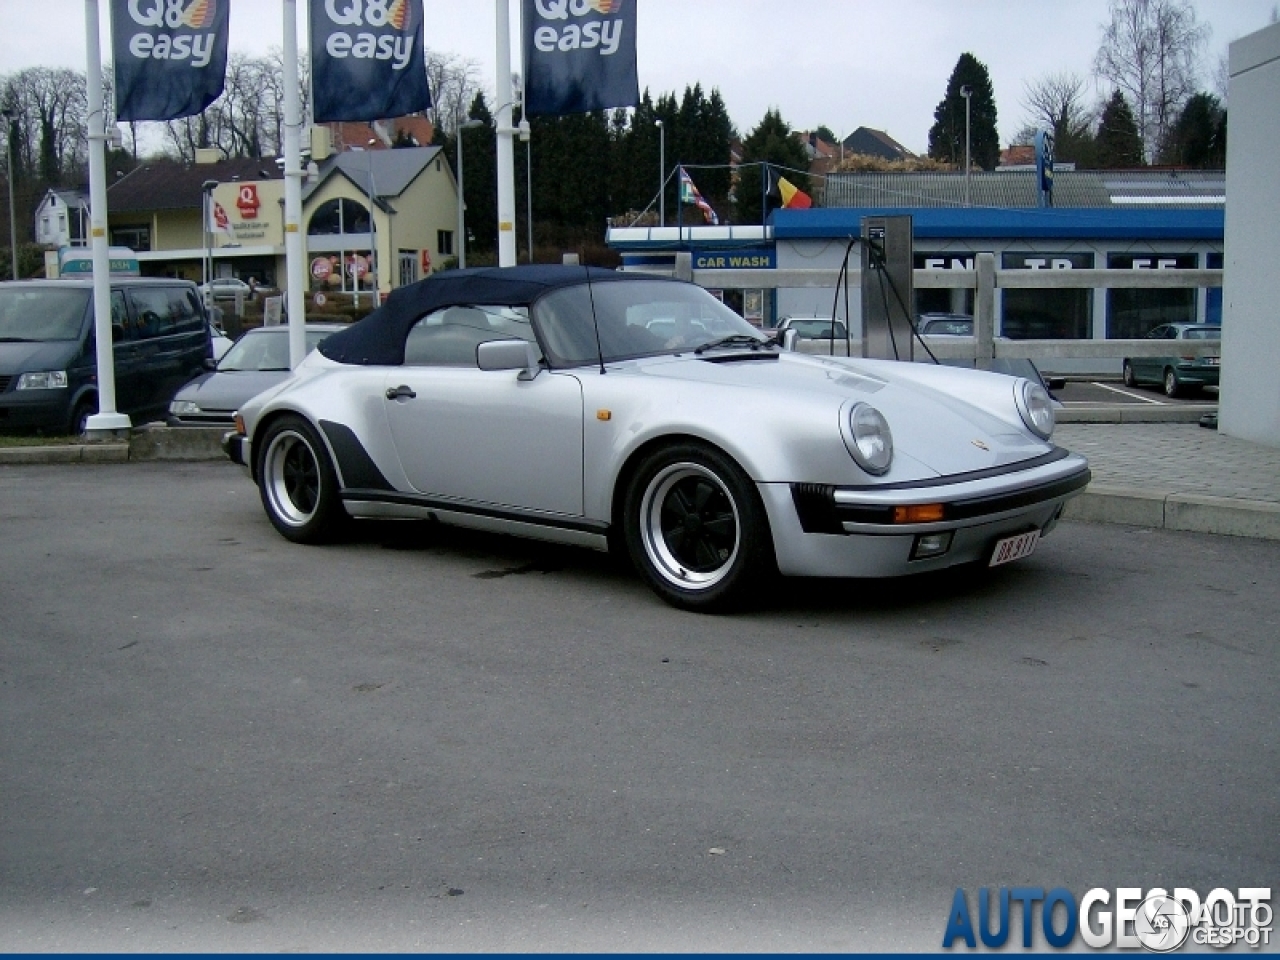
x,y
485,437
1150,368
126,354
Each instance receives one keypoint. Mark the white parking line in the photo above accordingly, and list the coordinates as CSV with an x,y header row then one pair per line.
x,y
1126,393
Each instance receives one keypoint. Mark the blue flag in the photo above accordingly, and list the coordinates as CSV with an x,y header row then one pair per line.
x,y
579,56
367,59
170,56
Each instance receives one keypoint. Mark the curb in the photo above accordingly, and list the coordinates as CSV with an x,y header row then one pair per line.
x,y
1170,510
150,442
1135,413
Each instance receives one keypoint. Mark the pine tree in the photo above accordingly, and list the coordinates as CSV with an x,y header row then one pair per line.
x,y
1118,143
771,142
947,135
1193,138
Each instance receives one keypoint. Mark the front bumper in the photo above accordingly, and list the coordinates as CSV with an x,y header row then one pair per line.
x,y
828,531
35,409
236,446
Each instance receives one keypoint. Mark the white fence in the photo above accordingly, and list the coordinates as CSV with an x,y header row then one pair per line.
x,y
984,279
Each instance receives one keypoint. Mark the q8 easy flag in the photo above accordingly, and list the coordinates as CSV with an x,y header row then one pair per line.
x,y
170,56
579,56
367,59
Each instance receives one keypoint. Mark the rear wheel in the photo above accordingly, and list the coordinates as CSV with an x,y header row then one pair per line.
x,y
297,482
696,530
1172,385
1129,379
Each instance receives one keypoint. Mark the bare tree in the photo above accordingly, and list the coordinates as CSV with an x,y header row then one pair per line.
x,y
52,108
454,83
1058,102
1151,50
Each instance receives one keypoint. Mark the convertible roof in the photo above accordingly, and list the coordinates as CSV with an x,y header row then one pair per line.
x,y
379,338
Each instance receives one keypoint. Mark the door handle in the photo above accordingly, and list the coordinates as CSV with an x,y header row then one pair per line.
x,y
400,393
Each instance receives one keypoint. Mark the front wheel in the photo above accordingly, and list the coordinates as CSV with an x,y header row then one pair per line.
x,y
696,530
297,482
80,417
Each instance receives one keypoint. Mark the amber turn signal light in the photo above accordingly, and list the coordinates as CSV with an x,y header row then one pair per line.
x,y
919,513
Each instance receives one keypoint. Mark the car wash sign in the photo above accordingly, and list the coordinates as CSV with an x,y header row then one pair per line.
x,y
170,56
367,59
579,56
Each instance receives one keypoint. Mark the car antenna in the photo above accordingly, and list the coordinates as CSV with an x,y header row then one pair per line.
x,y
594,321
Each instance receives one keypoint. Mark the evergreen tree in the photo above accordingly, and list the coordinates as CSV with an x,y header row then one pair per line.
x,y
480,178
1118,142
1193,138
947,135
771,142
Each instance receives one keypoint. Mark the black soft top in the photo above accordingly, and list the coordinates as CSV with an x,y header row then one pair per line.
x,y
379,338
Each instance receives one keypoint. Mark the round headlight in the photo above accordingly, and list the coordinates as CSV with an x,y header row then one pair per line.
x,y
872,446
1035,408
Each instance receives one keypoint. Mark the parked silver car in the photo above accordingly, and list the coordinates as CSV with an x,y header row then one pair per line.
x,y
536,401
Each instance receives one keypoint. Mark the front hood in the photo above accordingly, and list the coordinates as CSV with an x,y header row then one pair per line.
x,y
945,419
34,356
229,390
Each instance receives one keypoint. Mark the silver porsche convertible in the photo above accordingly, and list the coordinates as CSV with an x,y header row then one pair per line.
x,y
593,407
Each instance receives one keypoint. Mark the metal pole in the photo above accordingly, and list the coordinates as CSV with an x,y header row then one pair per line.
x,y
107,420
295,268
373,229
528,193
662,172
13,216
506,149
966,92
462,203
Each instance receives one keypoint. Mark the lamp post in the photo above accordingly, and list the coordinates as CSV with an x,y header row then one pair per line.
x,y
967,92
9,115
469,124
206,268
662,172
373,231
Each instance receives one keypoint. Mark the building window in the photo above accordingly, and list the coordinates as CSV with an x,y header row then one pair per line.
x,y
1132,314
444,242
957,300
408,267
1047,314
337,217
135,238
1213,295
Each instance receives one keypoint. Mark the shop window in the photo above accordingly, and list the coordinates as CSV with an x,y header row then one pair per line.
x,y
337,217
135,238
1064,313
945,301
1134,313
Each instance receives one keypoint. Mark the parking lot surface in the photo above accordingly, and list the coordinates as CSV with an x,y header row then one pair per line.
x,y
424,739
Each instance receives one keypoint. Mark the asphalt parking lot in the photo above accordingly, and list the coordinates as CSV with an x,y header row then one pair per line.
x,y
211,739
1092,392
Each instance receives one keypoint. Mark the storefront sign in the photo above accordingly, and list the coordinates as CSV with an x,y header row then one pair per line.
x,y
760,259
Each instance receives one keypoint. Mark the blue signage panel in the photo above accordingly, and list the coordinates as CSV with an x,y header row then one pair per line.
x,y
759,258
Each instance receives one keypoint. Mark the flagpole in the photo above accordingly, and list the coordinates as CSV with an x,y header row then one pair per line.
x,y
107,420
505,132
764,192
295,269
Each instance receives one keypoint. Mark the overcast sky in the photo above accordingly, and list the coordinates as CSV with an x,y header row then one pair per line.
x,y
843,63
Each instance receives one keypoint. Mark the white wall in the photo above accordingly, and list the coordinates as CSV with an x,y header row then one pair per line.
x,y
1249,403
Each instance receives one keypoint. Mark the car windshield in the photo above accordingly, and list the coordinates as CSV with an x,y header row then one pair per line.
x,y
1201,333
41,313
265,350
635,318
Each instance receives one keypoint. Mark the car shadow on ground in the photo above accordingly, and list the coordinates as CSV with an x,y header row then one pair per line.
x,y
498,556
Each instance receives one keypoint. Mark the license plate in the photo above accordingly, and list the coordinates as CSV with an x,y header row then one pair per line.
x,y
1014,548
1212,361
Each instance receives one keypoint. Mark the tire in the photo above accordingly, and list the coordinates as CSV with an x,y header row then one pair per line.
x,y
297,482
1172,385
1129,379
696,530
80,417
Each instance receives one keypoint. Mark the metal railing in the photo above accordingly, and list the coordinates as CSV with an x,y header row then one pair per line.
x,y
984,280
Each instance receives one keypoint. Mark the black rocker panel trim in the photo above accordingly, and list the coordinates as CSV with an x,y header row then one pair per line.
x,y
449,506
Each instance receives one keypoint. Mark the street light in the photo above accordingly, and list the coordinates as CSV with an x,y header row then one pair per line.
x,y
662,172
469,124
206,267
9,116
967,92
373,232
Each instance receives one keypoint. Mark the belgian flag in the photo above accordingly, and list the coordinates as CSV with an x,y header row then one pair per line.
x,y
785,194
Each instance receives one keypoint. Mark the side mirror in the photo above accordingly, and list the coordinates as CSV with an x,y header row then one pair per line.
x,y
509,355
787,339
210,363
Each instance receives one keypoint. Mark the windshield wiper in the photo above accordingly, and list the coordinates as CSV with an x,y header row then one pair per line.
x,y
736,340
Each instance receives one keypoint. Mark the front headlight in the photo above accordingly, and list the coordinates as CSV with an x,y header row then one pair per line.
x,y
44,380
184,408
872,443
1035,408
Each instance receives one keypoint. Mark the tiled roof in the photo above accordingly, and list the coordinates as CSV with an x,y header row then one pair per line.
x,y
393,170
171,185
